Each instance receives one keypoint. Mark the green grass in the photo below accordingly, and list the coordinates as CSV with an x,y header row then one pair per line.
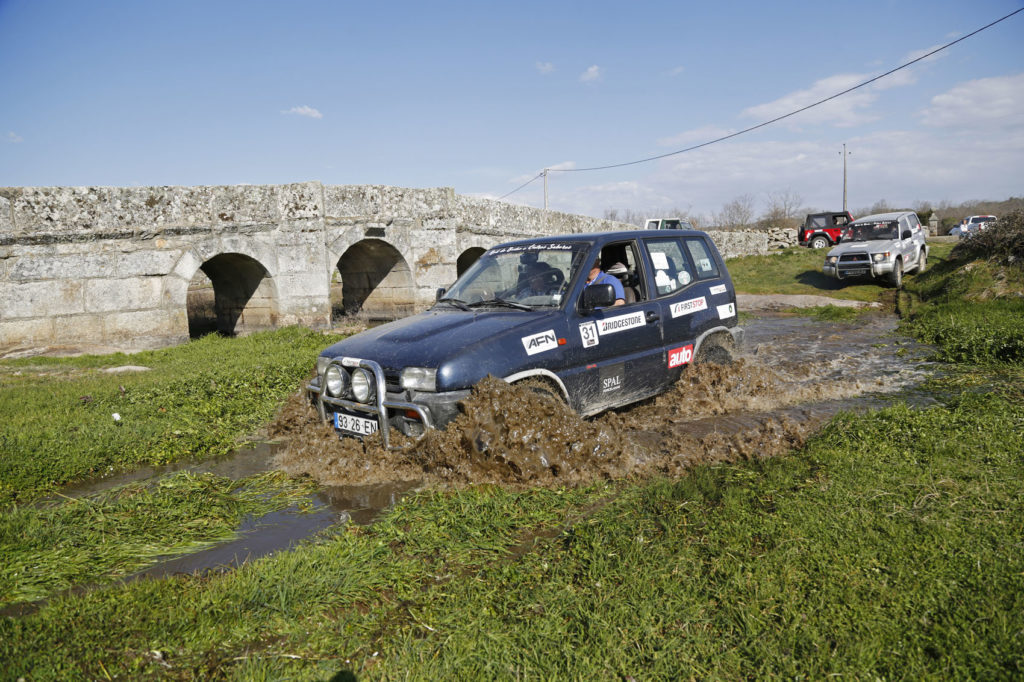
x,y
94,540
198,400
898,560
797,270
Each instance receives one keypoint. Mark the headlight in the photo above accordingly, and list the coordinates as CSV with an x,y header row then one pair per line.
x,y
364,388
419,379
879,257
321,365
337,381
833,259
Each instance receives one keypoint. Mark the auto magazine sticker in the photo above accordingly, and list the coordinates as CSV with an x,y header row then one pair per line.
x,y
588,333
727,310
538,343
677,357
612,378
687,307
718,289
621,323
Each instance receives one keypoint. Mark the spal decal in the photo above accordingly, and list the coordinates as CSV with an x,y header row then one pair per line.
x,y
718,289
687,307
726,311
612,378
677,357
538,343
621,323
588,333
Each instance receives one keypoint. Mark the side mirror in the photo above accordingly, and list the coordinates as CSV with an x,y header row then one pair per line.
x,y
440,294
598,296
906,234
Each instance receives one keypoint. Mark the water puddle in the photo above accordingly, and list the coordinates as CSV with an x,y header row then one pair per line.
x,y
791,375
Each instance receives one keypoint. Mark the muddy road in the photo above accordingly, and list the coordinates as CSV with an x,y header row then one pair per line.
x,y
791,374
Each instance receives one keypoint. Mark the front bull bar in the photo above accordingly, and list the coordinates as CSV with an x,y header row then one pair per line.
x,y
378,408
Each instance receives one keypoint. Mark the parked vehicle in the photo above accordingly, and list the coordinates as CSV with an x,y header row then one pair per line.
x,y
667,224
524,312
885,245
974,224
823,229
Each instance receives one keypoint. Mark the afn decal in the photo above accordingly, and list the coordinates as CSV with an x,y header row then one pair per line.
x,y
677,357
726,311
718,289
538,343
621,323
687,307
588,333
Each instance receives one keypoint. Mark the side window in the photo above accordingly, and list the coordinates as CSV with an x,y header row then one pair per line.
x,y
702,258
672,271
621,260
840,220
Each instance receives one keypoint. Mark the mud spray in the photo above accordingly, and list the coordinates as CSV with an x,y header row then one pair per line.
x,y
792,375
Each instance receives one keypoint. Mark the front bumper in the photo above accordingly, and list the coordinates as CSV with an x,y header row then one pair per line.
x,y
858,268
412,413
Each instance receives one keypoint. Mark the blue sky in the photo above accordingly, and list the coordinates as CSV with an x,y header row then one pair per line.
x,y
481,96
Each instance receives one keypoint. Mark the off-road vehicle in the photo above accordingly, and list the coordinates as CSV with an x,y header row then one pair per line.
x,y
823,229
525,312
884,245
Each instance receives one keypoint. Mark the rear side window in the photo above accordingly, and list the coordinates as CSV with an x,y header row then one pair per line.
x,y
672,271
702,258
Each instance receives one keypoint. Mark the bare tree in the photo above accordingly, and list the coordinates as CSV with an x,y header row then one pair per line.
x,y
783,209
738,213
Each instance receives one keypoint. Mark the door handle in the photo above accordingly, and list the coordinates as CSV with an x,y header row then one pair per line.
x,y
652,316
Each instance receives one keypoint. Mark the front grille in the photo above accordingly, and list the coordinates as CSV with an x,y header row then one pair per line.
x,y
854,258
392,381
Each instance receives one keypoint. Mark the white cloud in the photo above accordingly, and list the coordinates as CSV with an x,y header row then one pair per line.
x,y
592,74
545,67
14,137
843,112
308,112
676,71
993,103
695,136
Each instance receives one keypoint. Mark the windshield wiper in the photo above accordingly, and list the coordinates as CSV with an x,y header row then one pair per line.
x,y
501,302
461,305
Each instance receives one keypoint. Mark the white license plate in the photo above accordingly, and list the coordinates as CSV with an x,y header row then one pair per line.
x,y
353,424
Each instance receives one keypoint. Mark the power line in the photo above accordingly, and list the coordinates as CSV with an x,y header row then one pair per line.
x,y
776,119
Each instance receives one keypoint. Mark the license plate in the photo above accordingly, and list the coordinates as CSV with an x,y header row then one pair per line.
x,y
857,272
353,424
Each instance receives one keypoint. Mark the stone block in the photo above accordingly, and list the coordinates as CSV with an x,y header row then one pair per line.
x,y
122,328
302,285
245,204
41,299
112,295
74,329
29,332
6,218
300,201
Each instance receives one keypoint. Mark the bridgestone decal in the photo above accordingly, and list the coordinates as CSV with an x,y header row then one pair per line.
x,y
538,343
687,307
621,323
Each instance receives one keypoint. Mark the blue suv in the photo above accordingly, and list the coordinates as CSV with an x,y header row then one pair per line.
x,y
532,310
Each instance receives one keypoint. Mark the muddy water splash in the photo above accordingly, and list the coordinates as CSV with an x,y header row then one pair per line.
x,y
791,376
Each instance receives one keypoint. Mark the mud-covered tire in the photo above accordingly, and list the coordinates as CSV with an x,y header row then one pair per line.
x,y
922,261
896,276
819,242
714,350
545,389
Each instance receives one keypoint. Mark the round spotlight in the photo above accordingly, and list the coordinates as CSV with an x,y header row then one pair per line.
x,y
337,381
363,385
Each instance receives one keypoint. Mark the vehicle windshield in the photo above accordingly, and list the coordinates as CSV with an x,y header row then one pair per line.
x,y
865,232
520,276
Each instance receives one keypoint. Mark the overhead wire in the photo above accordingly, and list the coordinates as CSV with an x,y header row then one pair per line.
x,y
774,120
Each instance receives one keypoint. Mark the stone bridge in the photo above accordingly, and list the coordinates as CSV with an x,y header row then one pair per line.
x,y
146,267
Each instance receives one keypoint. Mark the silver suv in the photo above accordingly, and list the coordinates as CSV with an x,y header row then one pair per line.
x,y
884,245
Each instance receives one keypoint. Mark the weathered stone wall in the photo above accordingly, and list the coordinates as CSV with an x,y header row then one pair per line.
x,y
111,266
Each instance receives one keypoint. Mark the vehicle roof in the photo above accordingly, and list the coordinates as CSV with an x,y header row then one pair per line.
x,y
972,217
594,237
881,217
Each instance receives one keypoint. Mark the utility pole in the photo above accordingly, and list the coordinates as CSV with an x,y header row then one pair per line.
x,y
845,154
545,172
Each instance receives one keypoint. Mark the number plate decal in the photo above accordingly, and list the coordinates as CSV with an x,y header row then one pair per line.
x,y
359,426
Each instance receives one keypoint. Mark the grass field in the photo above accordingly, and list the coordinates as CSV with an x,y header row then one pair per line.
x,y
890,546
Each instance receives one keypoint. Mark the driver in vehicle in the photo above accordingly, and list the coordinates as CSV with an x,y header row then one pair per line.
x,y
597,276
540,280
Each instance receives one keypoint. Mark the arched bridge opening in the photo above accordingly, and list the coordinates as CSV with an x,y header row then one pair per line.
x,y
231,294
467,258
376,283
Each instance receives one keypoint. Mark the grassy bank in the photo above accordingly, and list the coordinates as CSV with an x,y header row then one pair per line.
x,y
197,400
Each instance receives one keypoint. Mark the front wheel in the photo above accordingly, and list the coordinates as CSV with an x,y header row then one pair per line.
x,y
922,261
896,277
715,350
819,242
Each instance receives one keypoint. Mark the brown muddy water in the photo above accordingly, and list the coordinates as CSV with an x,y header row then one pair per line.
x,y
791,375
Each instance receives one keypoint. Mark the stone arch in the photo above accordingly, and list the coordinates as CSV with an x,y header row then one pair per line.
x,y
233,294
376,281
467,258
